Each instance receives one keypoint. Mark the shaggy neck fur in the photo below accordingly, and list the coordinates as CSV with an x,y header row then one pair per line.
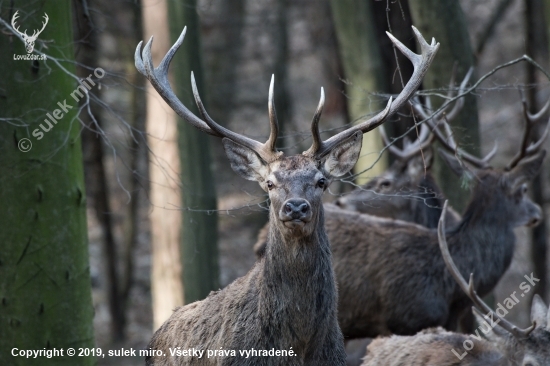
x,y
299,285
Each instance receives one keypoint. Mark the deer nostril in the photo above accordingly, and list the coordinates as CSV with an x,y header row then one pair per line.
x,y
288,208
304,208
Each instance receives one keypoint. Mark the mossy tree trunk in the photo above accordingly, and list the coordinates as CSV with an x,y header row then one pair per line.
x,y
364,73
536,46
45,288
199,235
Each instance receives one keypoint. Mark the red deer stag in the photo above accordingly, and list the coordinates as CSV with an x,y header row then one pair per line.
x,y
286,304
390,274
507,345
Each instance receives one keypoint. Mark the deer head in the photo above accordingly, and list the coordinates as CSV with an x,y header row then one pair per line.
x,y
390,193
29,40
295,183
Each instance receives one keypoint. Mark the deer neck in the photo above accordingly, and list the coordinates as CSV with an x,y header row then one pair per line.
x,y
485,245
299,283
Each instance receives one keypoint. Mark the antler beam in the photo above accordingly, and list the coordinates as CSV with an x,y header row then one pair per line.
x,y
468,288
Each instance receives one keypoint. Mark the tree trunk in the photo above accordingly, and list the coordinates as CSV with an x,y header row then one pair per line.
x,y
281,96
164,172
138,186
199,229
45,287
444,20
95,174
536,45
364,72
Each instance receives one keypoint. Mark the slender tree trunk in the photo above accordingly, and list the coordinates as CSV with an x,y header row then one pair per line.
x,y
138,186
164,172
364,73
223,67
444,20
95,174
282,95
45,287
536,42
199,229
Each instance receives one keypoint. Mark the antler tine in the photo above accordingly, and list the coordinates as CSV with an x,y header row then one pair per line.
x,y
317,141
460,101
424,140
527,148
469,288
420,63
16,28
159,79
266,151
272,140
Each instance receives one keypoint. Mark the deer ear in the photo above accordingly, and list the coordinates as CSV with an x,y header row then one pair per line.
x,y
245,161
344,156
453,163
528,168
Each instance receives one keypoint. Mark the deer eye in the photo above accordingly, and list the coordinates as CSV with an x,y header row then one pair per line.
x,y
385,184
524,188
270,185
322,183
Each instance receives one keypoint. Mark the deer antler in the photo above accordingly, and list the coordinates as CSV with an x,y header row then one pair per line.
x,y
421,62
36,33
468,288
442,117
16,28
425,139
531,120
159,79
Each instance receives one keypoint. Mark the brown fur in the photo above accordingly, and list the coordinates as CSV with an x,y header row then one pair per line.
x,y
431,347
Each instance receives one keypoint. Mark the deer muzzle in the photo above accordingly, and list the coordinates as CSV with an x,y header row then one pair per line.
x,y
535,216
295,213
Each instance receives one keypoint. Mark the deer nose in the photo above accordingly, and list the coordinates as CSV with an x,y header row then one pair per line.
x,y
296,209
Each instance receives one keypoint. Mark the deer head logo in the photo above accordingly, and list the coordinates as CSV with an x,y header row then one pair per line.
x,y
29,40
